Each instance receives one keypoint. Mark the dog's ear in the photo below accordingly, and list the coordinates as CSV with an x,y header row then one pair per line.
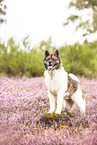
x,y
57,53
46,53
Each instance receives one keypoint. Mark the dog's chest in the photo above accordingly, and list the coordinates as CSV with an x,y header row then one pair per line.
x,y
54,84
56,81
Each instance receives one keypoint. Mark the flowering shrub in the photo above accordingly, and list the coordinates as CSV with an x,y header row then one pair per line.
x,y
23,103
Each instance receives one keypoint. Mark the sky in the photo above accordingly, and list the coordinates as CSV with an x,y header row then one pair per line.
x,y
41,19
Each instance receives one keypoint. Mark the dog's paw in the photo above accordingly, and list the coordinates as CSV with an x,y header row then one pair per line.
x,y
50,115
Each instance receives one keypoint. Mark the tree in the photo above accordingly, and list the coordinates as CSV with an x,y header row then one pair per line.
x,y
2,11
90,25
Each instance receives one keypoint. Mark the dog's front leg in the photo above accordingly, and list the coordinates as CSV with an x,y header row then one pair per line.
x,y
59,102
51,102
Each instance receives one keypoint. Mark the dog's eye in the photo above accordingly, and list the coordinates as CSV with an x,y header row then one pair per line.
x,y
48,57
57,61
54,57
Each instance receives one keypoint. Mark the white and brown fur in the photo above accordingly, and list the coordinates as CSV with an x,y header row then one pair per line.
x,y
61,85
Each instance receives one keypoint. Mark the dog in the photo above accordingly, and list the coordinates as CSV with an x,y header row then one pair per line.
x,y
62,87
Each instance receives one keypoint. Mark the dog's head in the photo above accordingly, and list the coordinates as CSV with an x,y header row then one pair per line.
x,y
52,61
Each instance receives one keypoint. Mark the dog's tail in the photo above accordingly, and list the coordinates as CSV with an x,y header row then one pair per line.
x,y
72,76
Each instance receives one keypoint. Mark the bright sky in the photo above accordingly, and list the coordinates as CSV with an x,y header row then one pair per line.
x,y
41,19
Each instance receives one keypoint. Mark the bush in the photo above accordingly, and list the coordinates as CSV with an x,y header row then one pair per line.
x,y
20,59
17,61
79,59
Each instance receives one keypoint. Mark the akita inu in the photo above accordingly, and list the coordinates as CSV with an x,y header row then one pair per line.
x,y
60,84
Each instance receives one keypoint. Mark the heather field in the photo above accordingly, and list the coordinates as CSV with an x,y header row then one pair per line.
x,y
23,103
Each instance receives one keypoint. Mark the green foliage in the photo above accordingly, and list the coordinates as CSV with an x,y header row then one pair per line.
x,y
20,59
2,11
79,4
90,27
79,59
17,61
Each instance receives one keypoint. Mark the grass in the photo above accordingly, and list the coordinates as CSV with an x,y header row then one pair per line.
x,y
23,103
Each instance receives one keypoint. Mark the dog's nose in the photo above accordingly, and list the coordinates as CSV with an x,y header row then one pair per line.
x,y
50,63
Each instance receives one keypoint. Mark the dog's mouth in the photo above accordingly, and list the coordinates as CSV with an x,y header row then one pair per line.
x,y
55,66
51,68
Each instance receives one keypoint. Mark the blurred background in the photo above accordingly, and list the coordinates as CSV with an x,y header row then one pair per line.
x,y
28,27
